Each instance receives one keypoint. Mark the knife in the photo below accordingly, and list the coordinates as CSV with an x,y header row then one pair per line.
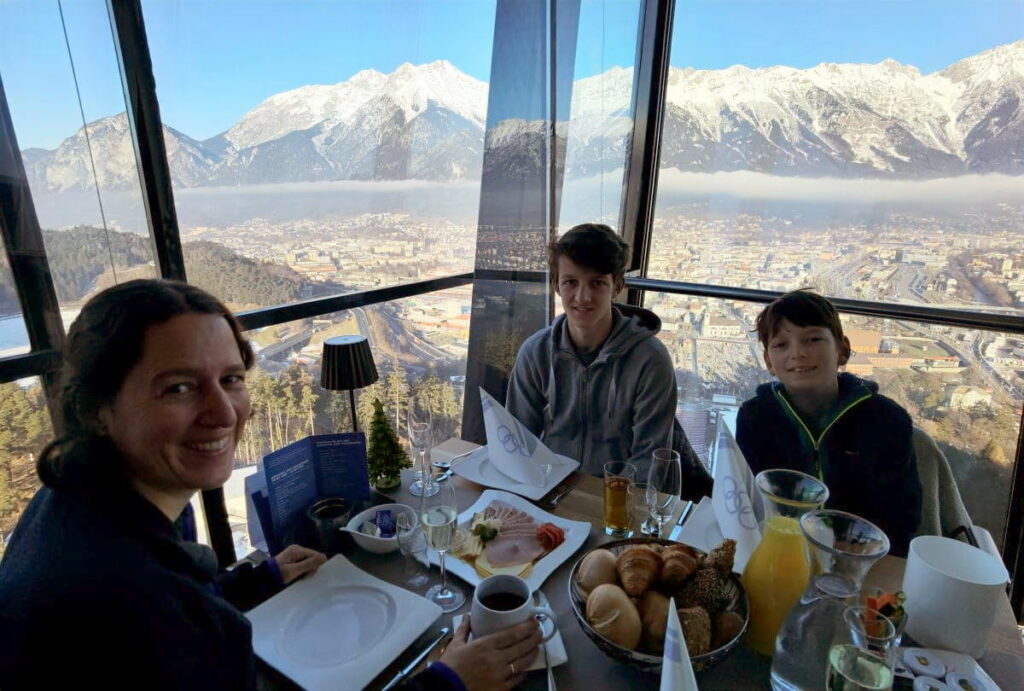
x,y
408,669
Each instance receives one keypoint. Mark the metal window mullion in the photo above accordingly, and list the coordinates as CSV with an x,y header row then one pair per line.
x,y
640,180
26,255
132,48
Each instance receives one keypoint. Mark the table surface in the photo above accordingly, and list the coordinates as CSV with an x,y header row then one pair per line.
x,y
588,667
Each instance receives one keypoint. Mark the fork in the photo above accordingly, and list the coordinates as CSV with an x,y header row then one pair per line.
x,y
541,601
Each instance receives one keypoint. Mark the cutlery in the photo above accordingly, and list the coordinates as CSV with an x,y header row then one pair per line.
x,y
551,499
408,669
451,465
541,601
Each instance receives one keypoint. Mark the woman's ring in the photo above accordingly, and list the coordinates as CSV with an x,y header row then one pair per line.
x,y
512,666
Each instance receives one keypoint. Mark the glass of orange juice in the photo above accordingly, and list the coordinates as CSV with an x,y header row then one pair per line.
x,y
618,482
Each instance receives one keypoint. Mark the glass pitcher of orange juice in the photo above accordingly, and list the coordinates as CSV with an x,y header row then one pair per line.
x,y
778,571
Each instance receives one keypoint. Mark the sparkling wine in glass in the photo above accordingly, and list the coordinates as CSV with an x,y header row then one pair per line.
x,y
420,427
438,514
664,482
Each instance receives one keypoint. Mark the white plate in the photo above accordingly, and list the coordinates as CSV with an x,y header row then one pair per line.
x,y
338,628
479,469
576,533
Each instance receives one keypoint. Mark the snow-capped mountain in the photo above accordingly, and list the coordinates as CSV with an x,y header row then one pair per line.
x,y
427,122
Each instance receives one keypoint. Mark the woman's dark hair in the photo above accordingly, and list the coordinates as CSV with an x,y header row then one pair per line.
x,y
104,343
594,246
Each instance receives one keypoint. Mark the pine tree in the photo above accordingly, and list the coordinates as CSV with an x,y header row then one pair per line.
x,y
385,457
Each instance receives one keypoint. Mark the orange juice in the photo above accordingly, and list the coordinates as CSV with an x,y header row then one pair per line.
x,y
775,578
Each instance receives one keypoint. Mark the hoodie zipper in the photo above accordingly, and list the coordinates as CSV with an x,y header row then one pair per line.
x,y
584,382
816,443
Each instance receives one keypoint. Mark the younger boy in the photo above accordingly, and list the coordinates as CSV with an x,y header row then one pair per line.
x,y
835,427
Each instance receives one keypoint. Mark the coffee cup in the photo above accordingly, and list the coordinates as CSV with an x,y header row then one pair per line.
x,y
330,516
502,601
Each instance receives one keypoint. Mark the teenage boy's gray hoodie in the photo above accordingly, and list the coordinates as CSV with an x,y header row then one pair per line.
x,y
619,408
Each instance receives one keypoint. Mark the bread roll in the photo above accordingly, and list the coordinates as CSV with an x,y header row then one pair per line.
x,y
639,567
597,568
696,629
653,618
726,627
614,616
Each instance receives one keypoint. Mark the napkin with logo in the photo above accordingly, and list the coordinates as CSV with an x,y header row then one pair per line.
x,y
734,499
511,448
676,667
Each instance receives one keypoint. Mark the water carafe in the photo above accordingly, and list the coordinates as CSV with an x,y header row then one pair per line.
x,y
779,569
843,547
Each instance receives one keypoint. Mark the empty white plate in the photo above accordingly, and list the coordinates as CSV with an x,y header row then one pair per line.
x,y
479,469
338,628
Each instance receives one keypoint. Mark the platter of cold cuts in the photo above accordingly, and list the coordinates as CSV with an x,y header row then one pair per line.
x,y
503,533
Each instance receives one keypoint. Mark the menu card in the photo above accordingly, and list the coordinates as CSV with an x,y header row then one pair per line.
x,y
317,467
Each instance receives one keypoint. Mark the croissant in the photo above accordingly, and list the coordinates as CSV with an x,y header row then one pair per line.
x,y
722,557
638,567
696,629
679,563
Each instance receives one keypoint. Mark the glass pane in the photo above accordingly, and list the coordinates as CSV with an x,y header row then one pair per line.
x,y
419,344
63,87
13,336
956,384
861,156
24,430
601,117
322,148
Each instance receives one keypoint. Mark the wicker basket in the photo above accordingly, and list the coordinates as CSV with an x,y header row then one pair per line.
x,y
652,663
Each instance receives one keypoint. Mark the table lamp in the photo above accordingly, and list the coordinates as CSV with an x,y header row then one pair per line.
x,y
347,365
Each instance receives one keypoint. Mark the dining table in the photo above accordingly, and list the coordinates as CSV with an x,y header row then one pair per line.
x,y
588,667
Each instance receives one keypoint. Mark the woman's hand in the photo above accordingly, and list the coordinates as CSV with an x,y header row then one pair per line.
x,y
497,661
296,561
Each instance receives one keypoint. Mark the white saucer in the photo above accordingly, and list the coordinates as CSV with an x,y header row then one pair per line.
x,y
478,468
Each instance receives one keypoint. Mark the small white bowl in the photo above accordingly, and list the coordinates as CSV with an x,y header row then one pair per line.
x,y
378,545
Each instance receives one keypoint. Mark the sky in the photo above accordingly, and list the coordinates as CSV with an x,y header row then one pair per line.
x,y
212,59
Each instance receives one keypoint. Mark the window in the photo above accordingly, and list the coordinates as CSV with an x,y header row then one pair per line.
x,y
24,430
323,148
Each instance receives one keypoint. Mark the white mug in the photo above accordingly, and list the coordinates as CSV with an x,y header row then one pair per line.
x,y
502,601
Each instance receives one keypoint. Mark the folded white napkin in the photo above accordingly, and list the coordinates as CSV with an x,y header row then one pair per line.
x,y
676,667
735,500
701,527
511,448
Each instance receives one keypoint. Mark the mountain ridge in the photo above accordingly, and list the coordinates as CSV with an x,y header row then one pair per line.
x,y
883,120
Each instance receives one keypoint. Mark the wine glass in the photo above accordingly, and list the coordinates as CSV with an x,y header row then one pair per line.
x,y
664,482
438,513
648,526
420,426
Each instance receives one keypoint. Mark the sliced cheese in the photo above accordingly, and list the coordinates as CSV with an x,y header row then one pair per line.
x,y
485,568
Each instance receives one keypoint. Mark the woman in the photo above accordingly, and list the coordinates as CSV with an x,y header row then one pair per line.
x,y
96,583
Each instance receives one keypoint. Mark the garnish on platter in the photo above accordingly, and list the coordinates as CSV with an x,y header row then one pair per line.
x,y
888,604
502,539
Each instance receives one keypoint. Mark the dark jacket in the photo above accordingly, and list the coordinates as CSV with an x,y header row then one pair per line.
x,y
619,407
864,452
101,588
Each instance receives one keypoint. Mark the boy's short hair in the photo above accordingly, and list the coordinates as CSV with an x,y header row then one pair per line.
x,y
593,245
802,308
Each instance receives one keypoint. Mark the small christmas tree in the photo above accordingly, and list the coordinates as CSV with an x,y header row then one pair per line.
x,y
385,457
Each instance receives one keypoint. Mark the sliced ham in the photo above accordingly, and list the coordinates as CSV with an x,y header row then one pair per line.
x,y
506,550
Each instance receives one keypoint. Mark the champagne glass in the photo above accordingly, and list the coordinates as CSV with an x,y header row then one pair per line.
x,y
664,482
439,513
420,426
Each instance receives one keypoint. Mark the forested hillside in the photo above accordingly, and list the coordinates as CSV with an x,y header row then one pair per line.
x,y
239,280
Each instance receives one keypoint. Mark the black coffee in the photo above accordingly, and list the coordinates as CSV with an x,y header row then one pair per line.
x,y
502,602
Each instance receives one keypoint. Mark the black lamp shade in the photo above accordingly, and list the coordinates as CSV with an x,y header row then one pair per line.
x,y
347,364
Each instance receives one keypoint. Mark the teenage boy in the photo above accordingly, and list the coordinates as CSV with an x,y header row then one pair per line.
x,y
836,427
597,385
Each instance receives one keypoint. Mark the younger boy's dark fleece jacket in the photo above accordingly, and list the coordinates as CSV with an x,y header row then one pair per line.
x,y
864,452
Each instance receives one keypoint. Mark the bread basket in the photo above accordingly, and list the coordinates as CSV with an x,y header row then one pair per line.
x,y
652,663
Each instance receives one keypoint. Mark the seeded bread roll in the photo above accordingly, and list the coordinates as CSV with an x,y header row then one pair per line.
x,y
696,629
614,616
597,568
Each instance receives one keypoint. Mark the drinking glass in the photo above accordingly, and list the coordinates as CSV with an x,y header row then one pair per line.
x,y
664,483
861,658
420,426
618,488
438,513
413,545
648,526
